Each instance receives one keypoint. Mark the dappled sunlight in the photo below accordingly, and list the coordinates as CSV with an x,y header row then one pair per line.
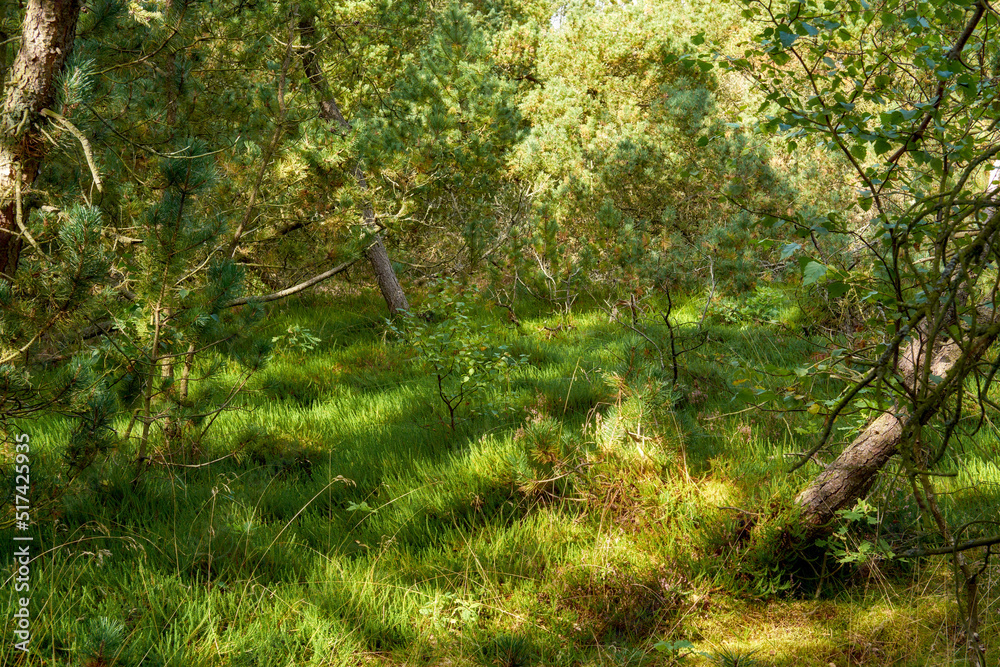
x,y
389,333
572,501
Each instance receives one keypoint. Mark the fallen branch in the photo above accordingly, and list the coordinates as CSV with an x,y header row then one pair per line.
x,y
281,294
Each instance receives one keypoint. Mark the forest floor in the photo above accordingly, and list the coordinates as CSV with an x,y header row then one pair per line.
x,y
583,510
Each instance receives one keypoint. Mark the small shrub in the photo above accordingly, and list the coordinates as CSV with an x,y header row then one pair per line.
x,y
102,643
551,458
454,350
507,650
762,306
731,657
676,650
296,338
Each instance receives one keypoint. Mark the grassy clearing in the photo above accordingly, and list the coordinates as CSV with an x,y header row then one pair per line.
x,y
581,511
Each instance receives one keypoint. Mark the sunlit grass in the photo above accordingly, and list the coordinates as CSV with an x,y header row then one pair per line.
x,y
583,509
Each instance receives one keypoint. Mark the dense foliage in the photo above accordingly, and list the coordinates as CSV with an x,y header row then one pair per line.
x,y
592,225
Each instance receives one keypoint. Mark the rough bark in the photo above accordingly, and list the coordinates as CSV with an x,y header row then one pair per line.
x,y
389,285
928,382
47,35
853,473
329,111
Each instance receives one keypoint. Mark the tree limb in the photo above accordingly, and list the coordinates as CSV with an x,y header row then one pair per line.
x,y
281,294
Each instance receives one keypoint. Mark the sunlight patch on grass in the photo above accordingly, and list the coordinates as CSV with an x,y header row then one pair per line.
x,y
581,509
896,630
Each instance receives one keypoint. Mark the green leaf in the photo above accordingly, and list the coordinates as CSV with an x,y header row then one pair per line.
x,y
670,647
787,38
813,273
788,249
359,507
837,289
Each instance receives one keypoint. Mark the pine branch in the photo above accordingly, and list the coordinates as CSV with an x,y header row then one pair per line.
x,y
281,294
87,152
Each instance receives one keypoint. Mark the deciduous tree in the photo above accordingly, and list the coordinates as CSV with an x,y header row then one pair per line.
x,y
906,93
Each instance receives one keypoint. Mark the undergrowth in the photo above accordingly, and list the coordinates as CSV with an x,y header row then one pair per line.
x,y
578,509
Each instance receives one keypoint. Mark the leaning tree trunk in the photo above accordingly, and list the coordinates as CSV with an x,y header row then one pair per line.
x,y
854,472
928,356
329,111
47,36
851,476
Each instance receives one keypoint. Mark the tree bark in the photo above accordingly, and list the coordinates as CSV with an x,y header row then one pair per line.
x,y
329,111
853,473
47,35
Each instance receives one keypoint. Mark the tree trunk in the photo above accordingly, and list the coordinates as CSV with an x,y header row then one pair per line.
x,y
47,35
376,254
386,276
852,475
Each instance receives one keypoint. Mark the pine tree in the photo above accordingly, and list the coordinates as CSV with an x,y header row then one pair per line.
x,y
628,154
181,302
47,33
444,136
374,248
127,294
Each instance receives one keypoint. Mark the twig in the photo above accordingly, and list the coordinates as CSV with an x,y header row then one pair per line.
x,y
87,152
943,551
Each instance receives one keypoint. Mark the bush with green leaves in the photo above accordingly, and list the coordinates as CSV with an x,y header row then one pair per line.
x,y
297,337
763,305
847,546
454,349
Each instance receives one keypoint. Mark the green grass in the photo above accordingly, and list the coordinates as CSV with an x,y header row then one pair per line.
x,y
582,510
